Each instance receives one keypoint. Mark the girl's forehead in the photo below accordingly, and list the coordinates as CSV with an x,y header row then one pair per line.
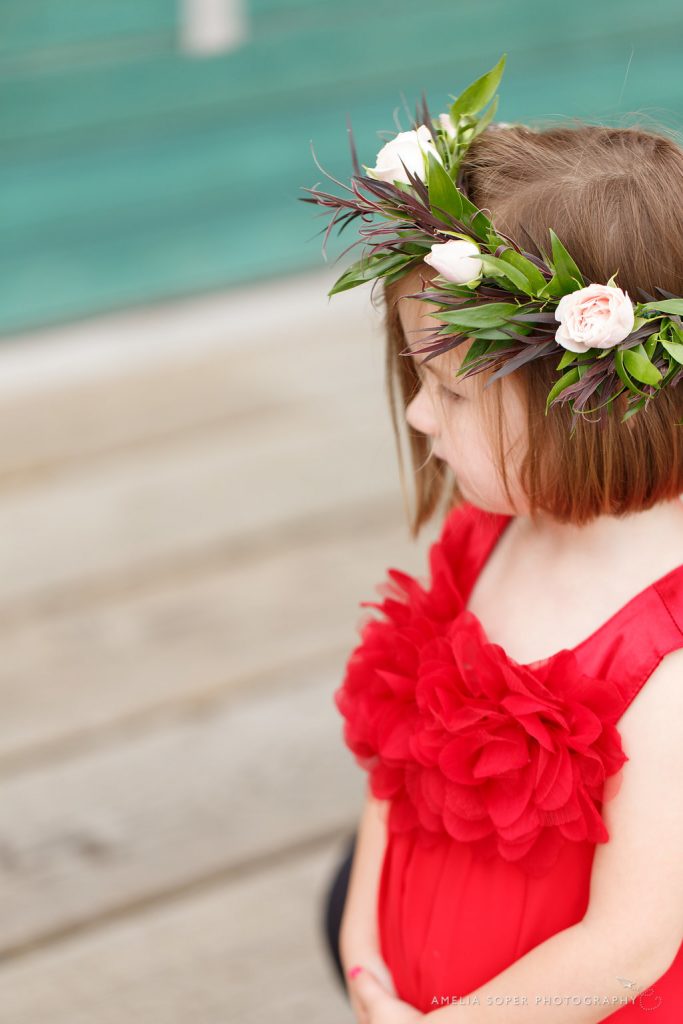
x,y
417,320
412,310
446,363
445,369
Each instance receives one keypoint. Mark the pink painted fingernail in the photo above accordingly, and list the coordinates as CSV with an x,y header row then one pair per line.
x,y
354,971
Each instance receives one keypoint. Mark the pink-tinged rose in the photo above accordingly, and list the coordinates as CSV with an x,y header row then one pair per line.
x,y
406,146
598,316
457,260
446,123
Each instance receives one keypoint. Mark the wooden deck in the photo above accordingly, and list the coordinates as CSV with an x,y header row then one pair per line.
x,y
193,501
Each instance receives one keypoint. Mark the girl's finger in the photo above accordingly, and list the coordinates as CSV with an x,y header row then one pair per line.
x,y
367,987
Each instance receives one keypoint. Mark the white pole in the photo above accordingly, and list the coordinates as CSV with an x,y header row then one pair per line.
x,y
212,26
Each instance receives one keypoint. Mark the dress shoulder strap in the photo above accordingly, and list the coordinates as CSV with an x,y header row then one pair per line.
x,y
629,646
467,537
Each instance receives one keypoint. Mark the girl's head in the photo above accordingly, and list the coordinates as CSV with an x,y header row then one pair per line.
x,y
612,195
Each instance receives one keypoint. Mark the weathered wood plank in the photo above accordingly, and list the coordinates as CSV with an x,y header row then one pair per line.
x,y
202,498
120,658
138,378
249,949
174,806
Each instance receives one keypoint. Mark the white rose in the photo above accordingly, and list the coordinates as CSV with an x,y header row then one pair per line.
x,y
406,146
598,316
456,260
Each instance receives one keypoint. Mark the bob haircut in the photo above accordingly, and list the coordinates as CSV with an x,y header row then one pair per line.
x,y
613,197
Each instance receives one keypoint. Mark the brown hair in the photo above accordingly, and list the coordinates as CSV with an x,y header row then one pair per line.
x,y
612,195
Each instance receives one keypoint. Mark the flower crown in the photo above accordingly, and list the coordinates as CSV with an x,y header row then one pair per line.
x,y
515,306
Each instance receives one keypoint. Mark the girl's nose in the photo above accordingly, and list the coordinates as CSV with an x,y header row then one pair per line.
x,y
420,413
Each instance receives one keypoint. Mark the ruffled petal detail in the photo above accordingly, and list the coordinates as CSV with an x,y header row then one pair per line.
x,y
466,742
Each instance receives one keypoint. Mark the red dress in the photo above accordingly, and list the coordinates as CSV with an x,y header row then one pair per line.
x,y
494,770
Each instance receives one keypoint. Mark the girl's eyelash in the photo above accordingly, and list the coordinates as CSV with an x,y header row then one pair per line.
x,y
453,395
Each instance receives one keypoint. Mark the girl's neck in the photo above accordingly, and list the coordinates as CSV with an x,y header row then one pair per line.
x,y
652,530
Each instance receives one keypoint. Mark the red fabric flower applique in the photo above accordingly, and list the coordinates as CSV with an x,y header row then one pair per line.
x,y
464,740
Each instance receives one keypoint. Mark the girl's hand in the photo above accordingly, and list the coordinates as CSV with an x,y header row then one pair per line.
x,y
376,1003
370,960
364,954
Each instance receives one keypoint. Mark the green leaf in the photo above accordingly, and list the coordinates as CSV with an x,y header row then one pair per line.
x,y
533,275
393,275
665,306
570,377
495,346
460,291
493,240
566,359
416,248
487,333
623,373
674,348
478,94
634,409
564,264
510,274
639,366
489,314
478,348
368,268
491,334
402,186
484,121
442,191
576,357
474,218
651,344
567,277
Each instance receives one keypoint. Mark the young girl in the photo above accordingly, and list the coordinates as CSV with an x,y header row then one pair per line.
x,y
520,711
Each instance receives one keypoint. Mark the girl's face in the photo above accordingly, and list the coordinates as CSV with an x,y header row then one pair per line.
x,y
448,410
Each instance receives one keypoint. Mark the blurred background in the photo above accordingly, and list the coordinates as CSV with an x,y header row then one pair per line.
x,y
198,482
